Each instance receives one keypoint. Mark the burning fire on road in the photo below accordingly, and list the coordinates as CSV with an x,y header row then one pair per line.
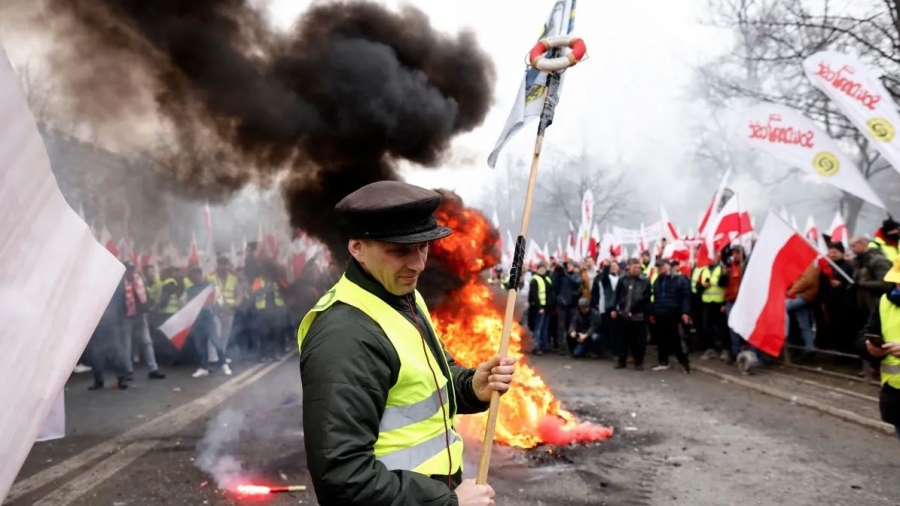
x,y
470,322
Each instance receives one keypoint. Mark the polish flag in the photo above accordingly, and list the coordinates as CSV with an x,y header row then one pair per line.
x,y
594,246
781,255
559,248
710,212
811,231
732,222
178,326
668,228
194,255
839,230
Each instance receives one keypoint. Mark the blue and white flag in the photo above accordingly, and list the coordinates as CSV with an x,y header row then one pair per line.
x,y
530,99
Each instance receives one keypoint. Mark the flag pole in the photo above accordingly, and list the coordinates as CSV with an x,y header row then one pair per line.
x,y
550,99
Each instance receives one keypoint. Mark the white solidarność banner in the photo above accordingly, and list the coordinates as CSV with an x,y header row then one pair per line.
x,y
794,139
55,281
856,90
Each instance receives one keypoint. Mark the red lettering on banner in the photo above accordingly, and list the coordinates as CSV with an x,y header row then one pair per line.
x,y
781,135
847,86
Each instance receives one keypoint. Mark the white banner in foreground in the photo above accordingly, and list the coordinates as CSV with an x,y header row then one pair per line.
x,y
55,281
794,139
857,91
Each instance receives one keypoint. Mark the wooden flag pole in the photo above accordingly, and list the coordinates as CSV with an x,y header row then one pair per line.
x,y
518,259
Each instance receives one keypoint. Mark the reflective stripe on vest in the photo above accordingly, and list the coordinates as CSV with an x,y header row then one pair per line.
x,y
171,306
228,288
154,288
542,289
715,293
890,329
411,433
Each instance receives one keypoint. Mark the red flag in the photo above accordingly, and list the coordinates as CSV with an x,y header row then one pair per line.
x,y
178,326
779,258
194,255
107,240
668,228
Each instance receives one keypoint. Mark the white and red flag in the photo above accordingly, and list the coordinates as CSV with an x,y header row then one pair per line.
x,y
858,91
730,224
194,254
594,246
107,241
839,231
794,139
779,258
715,205
811,231
669,232
178,326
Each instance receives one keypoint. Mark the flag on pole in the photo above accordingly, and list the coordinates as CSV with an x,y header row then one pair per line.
x,y
791,137
779,258
668,228
107,241
194,254
178,326
495,220
529,102
839,231
722,193
859,93
811,231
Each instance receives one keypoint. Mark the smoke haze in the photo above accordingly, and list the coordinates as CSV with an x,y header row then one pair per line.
x,y
337,101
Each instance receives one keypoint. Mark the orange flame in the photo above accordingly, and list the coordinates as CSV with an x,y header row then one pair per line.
x,y
470,324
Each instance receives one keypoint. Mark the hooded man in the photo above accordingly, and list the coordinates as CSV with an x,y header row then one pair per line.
x,y
887,239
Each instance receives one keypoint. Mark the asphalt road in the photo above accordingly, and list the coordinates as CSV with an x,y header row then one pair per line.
x,y
693,440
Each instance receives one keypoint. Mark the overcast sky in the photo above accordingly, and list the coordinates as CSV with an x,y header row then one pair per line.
x,y
626,102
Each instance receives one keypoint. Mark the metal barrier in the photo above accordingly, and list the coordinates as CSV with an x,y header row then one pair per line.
x,y
870,374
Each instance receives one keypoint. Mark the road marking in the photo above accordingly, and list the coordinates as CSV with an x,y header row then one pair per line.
x,y
149,432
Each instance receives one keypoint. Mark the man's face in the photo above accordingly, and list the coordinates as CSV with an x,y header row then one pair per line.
x,y
859,247
542,270
196,277
614,268
645,259
665,269
835,254
737,256
570,266
396,266
589,264
635,270
584,310
150,272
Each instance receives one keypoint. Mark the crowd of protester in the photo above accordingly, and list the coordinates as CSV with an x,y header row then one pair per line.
x,y
250,315
586,310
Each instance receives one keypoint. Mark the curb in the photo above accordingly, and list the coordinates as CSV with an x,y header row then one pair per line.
x,y
843,414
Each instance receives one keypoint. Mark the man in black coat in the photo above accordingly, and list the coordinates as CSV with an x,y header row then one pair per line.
x,y
629,315
567,287
585,332
671,305
378,434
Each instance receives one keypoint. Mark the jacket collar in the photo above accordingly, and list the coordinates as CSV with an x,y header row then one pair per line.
x,y
358,276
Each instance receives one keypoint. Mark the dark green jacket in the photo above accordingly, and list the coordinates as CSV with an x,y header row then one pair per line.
x,y
347,367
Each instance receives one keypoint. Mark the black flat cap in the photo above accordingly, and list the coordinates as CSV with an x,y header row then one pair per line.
x,y
392,211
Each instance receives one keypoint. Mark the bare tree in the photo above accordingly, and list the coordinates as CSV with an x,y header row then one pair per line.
x,y
773,37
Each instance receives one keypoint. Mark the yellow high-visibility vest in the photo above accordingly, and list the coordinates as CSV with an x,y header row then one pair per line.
x,y
260,284
170,306
891,252
890,329
542,289
715,293
695,278
411,433
228,288
154,288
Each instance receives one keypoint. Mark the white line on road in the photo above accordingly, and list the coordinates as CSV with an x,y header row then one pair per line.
x,y
149,432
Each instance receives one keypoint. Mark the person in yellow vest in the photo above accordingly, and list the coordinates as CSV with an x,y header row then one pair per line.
x,y
380,393
711,287
645,263
271,313
153,284
228,297
540,293
887,239
881,339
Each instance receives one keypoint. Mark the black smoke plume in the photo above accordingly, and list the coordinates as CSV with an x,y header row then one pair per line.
x,y
337,101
